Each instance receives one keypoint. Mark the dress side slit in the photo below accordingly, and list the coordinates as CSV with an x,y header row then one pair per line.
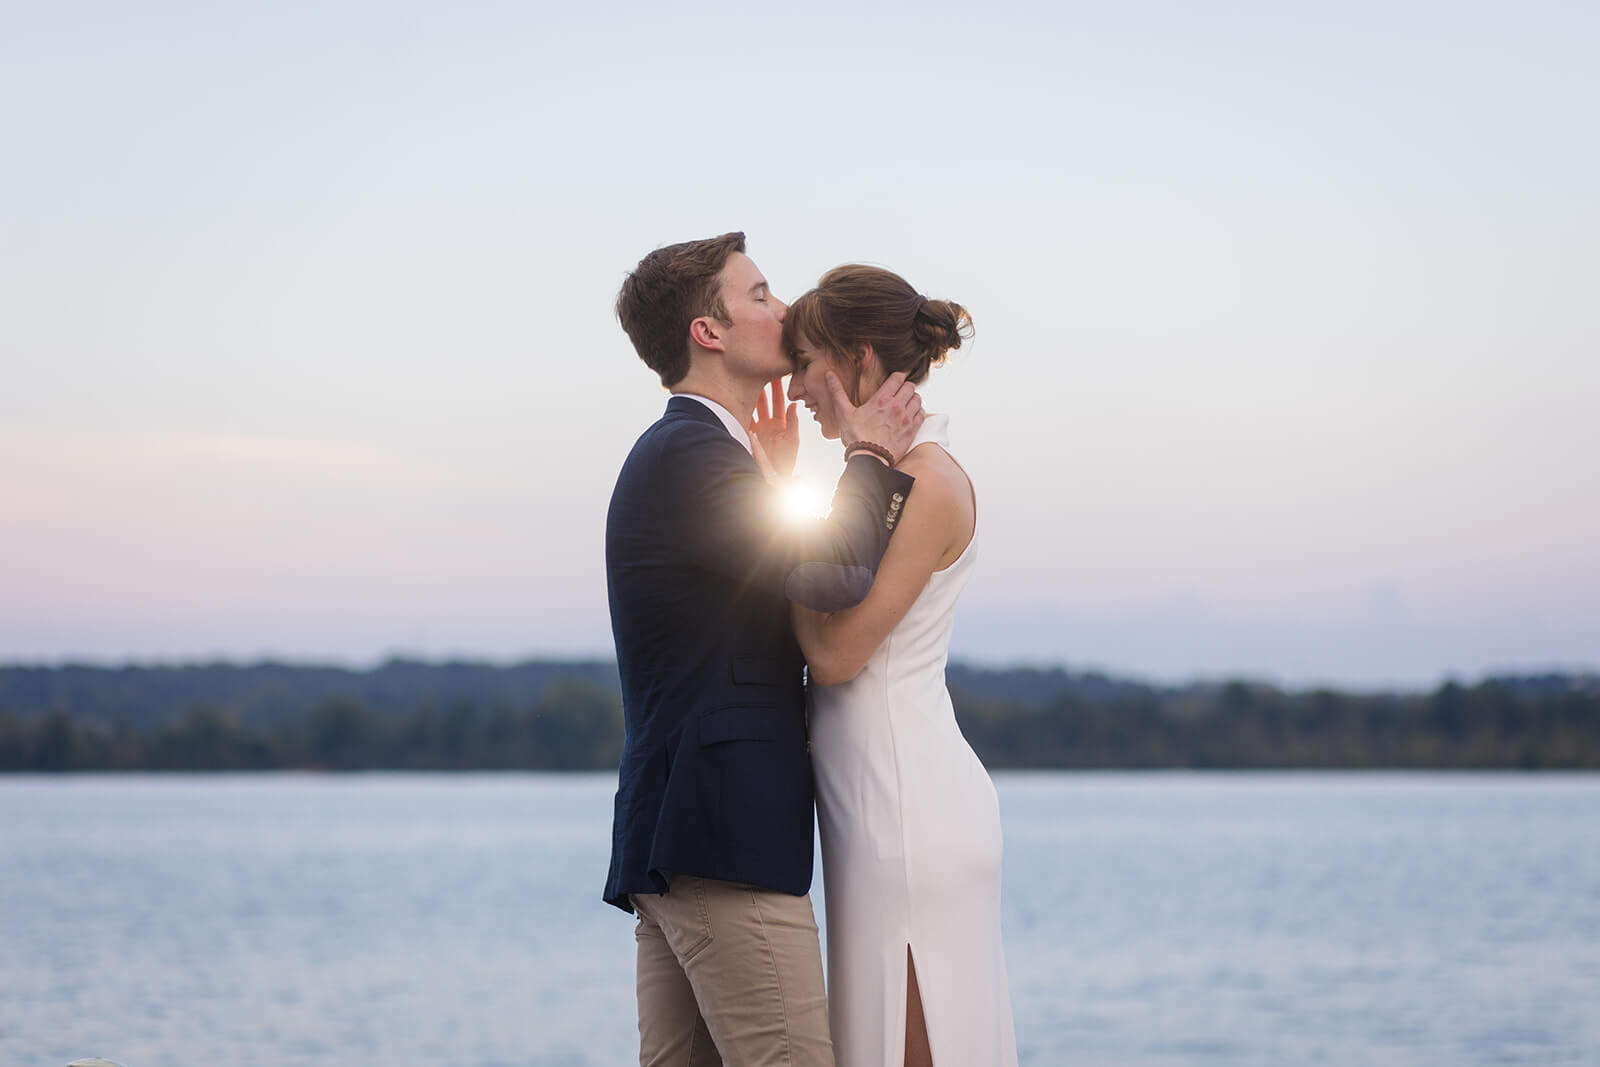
x,y
918,1051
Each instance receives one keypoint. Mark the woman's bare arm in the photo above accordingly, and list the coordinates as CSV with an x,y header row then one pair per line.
x,y
934,526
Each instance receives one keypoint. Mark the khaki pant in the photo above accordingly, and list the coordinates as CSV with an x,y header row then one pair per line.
x,y
729,974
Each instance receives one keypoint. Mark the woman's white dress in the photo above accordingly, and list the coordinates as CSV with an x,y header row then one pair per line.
x,y
910,847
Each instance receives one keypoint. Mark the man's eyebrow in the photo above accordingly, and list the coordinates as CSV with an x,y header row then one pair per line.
x,y
757,286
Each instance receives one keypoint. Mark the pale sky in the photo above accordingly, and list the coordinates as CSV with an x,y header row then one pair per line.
x,y
1288,340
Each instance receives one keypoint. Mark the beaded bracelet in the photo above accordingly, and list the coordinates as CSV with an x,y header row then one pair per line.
x,y
868,446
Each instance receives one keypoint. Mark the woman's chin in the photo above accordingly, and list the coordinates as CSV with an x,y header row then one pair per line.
x,y
826,427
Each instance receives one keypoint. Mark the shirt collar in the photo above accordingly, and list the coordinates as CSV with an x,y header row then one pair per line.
x,y
735,428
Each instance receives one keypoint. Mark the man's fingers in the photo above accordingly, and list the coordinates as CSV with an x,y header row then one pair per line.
x,y
895,384
841,400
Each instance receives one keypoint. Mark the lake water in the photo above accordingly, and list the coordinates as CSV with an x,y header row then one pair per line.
x,y
1151,919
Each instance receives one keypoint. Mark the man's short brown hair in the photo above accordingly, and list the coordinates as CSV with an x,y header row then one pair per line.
x,y
669,289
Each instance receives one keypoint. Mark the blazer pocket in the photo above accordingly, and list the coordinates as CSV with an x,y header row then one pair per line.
x,y
738,724
758,672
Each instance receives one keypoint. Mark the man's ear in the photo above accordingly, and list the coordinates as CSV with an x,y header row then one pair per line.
x,y
706,332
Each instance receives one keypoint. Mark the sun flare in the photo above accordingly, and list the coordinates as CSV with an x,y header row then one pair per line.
x,y
799,502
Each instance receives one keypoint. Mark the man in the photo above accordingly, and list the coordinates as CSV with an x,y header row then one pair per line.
x,y
712,831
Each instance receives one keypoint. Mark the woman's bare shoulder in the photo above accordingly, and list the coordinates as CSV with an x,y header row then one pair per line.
x,y
941,501
937,472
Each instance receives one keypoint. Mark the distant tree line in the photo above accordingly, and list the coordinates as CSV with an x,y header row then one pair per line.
x,y
1242,726
260,694
573,725
536,717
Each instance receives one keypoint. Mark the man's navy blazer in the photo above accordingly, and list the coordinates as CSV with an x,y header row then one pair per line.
x,y
715,778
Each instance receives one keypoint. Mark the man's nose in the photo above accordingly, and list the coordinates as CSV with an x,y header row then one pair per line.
x,y
783,310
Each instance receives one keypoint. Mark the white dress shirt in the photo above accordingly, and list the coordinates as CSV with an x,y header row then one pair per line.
x,y
736,429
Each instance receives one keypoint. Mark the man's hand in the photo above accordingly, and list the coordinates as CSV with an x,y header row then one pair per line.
x,y
890,418
775,432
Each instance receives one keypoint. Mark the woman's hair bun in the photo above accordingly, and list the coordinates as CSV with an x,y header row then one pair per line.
x,y
939,327
856,307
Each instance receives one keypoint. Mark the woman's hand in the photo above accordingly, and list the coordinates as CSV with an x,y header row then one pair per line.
x,y
775,433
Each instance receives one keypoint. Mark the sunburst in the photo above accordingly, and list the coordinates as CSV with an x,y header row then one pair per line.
x,y
801,502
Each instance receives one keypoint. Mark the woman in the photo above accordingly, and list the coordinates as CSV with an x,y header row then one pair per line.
x,y
910,823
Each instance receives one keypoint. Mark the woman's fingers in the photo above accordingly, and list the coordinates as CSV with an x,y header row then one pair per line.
x,y
762,462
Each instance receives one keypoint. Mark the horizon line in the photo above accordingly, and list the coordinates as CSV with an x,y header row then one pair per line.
x,y
1586,676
